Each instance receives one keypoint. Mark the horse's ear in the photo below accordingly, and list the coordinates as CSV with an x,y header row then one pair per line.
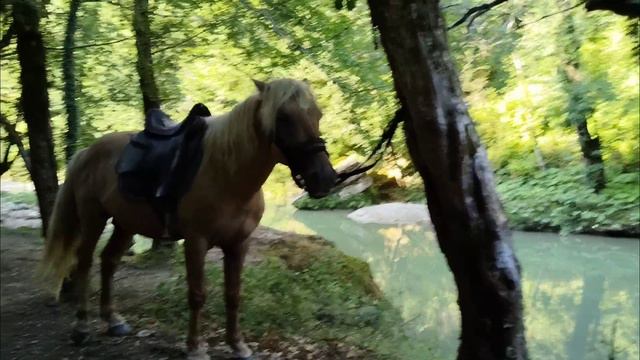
x,y
261,85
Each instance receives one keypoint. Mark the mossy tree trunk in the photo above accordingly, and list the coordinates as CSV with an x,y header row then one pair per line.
x,y
144,63
144,66
465,210
69,75
34,103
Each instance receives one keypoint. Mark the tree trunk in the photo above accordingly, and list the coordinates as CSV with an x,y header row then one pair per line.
x,y
144,64
465,210
34,102
68,71
579,108
630,8
592,154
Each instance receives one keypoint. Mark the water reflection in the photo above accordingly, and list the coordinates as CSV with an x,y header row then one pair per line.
x,y
580,292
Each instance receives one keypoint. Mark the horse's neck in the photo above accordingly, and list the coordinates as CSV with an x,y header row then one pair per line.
x,y
245,159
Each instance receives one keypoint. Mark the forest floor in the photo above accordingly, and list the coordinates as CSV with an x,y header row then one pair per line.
x,y
33,327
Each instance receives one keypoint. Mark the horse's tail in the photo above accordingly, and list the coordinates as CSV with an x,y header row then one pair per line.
x,y
62,234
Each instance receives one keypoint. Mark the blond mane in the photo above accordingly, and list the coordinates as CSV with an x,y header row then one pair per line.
x,y
232,137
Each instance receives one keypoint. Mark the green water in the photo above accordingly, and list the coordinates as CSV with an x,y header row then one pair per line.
x,y
580,292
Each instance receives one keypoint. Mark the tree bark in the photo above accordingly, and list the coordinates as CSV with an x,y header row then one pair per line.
x,y
68,71
34,102
465,210
144,64
630,8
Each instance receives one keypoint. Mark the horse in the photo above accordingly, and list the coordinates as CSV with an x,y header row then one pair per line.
x,y
279,123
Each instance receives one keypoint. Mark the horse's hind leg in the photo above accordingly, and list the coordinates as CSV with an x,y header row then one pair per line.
x,y
90,229
233,262
110,257
195,250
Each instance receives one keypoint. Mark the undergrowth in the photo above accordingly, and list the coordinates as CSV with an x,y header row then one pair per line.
x,y
323,295
556,200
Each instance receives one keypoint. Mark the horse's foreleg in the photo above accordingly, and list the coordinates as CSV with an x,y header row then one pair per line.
x,y
89,234
195,250
110,257
233,262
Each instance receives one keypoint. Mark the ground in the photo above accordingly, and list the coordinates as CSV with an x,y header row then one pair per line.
x,y
33,327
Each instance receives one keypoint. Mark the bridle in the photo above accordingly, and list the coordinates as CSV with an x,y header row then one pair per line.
x,y
297,153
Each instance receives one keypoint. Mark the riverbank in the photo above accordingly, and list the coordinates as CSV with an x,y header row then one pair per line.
x,y
551,201
302,299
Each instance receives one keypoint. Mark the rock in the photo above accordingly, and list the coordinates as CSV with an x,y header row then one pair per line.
x,y
356,188
144,333
391,214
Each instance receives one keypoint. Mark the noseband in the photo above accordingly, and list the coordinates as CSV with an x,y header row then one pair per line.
x,y
297,154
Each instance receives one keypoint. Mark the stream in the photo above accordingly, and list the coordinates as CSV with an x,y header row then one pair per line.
x,y
580,292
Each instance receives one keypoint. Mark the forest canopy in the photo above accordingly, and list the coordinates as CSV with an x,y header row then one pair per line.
x,y
532,72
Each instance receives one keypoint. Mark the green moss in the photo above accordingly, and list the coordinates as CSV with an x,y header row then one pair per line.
x,y
301,288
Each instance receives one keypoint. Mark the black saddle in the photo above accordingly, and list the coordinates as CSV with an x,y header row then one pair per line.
x,y
160,162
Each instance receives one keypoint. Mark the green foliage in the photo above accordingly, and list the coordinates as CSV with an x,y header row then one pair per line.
x,y
557,200
510,62
320,293
333,201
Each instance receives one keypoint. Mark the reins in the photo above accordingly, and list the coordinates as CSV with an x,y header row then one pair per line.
x,y
379,149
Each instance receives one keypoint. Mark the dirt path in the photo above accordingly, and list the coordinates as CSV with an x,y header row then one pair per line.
x,y
32,328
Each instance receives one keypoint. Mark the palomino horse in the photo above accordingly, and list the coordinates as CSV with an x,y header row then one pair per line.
x,y
278,124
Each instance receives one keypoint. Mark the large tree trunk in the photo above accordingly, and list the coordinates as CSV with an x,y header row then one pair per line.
x,y
144,64
465,210
34,102
68,71
630,8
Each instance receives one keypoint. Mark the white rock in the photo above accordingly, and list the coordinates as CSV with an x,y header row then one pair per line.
x,y
391,213
353,189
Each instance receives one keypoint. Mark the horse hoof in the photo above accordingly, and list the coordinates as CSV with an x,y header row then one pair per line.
x,y
241,351
79,336
122,329
198,354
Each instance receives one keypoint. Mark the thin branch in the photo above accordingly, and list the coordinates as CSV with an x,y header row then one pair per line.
x,y
553,14
449,6
14,138
92,45
476,9
179,42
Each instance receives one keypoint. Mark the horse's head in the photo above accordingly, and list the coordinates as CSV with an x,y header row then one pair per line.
x,y
291,117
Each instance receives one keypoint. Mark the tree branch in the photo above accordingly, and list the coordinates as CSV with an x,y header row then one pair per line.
x,y
552,14
179,42
14,138
480,9
92,45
